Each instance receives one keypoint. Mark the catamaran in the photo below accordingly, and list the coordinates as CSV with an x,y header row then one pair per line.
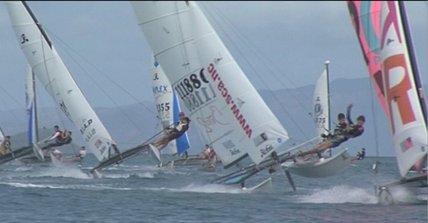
x,y
50,70
225,106
322,165
385,40
168,109
28,153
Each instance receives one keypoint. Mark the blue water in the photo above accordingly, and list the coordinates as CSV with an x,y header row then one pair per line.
x,y
137,191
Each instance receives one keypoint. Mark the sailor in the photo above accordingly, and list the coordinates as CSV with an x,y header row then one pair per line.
x,y
172,133
67,137
340,127
57,135
276,162
5,146
81,154
361,155
352,131
205,154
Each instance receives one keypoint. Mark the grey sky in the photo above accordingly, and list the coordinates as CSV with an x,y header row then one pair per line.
x,y
277,44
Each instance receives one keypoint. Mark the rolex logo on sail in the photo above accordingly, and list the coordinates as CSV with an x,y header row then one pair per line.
x,y
223,89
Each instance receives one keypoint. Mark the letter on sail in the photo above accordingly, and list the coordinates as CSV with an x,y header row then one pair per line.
x,y
405,110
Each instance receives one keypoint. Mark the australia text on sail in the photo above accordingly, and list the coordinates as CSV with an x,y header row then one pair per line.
x,y
228,98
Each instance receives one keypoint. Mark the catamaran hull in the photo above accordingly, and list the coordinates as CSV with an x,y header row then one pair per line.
x,y
404,191
323,167
119,158
263,186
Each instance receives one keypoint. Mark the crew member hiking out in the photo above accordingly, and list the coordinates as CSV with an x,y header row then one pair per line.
x,y
351,131
59,137
172,133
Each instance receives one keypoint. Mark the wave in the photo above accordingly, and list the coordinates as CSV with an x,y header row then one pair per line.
x,y
207,188
340,194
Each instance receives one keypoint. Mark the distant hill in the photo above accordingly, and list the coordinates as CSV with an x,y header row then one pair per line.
x,y
133,124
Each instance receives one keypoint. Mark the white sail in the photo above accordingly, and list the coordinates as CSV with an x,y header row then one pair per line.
x,y
321,112
406,117
30,99
1,135
168,108
58,82
223,104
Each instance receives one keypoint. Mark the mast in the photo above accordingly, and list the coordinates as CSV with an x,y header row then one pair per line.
x,y
39,26
412,57
33,130
36,121
327,62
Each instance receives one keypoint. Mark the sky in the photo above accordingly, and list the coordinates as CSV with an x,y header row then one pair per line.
x,y
277,44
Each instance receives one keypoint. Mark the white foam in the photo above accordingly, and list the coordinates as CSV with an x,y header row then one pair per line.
x,y
71,171
207,188
340,194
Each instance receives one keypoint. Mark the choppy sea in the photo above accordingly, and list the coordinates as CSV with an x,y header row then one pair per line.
x,y
138,191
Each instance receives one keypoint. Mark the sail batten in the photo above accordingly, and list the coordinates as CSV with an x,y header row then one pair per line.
x,y
209,82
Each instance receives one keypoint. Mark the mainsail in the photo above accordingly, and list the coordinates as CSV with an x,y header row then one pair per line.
x,y
168,108
321,103
223,104
57,80
404,105
365,17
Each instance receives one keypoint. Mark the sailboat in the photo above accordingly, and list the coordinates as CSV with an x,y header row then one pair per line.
x,y
223,105
385,40
327,164
26,153
32,131
58,82
168,109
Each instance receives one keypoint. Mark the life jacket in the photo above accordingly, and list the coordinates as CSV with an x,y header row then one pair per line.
x,y
356,130
183,125
61,134
340,128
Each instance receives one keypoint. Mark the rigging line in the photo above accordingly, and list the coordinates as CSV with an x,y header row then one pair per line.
x,y
61,118
106,76
374,123
254,70
183,47
187,63
14,114
265,59
98,70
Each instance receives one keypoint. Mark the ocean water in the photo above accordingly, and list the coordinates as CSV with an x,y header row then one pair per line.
x,y
138,191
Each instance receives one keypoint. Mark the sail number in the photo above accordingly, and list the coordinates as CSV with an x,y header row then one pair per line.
x,y
320,122
87,134
163,107
195,90
163,110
